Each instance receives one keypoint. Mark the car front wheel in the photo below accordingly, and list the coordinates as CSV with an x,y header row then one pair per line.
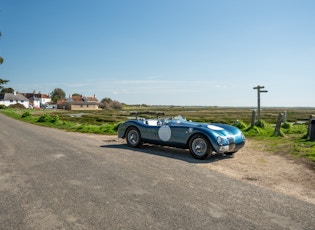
x,y
133,137
200,147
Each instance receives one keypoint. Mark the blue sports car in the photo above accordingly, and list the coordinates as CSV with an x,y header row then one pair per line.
x,y
200,138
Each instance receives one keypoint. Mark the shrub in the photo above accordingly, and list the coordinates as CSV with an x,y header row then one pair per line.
x,y
17,106
240,124
47,118
286,125
3,107
109,104
67,124
44,118
115,105
255,131
261,124
26,114
55,119
252,131
296,129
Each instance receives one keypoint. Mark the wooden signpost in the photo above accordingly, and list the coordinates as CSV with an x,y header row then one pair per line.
x,y
258,87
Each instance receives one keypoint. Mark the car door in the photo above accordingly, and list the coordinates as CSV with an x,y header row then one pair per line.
x,y
178,133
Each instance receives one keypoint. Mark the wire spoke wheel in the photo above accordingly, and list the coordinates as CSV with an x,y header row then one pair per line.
x,y
133,137
199,147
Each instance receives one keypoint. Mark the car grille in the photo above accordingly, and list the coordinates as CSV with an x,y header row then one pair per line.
x,y
231,143
231,147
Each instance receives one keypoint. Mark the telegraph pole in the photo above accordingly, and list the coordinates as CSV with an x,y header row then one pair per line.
x,y
258,87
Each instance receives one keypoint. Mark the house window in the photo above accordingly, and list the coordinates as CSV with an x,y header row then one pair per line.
x,y
22,101
11,100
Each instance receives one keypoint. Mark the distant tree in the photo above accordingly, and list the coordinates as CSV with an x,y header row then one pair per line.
x,y
2,81
76,94
7,90
57,94
107,103
106,100
115,105
1,59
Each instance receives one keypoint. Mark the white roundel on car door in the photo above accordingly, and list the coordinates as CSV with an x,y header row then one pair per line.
x,y
165,133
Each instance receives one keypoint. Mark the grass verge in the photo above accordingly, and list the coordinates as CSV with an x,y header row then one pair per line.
x,y
54,121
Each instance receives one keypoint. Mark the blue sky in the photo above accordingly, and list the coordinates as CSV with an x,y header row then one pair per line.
x,y
162,52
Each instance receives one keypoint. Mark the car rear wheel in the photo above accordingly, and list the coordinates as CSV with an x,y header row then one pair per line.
x,y
133,137
200,147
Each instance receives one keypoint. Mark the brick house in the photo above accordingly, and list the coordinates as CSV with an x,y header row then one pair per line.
x,y
79,103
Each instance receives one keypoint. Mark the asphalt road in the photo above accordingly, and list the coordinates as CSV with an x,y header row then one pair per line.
x,y
51,179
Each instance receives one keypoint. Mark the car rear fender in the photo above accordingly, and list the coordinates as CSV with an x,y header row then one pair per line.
x,y
122,129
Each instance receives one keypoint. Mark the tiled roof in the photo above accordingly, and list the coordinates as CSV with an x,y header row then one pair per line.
x,y
44,96
94,99
77,98
85,99
38,95
83,103
13,97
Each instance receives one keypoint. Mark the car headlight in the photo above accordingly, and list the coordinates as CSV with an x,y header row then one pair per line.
x,y
220,140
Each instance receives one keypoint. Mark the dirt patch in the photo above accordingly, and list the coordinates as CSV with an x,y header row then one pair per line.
x,y
280,173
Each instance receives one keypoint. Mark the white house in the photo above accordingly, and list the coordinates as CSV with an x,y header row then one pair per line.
x,y
8,99
34,102
38,100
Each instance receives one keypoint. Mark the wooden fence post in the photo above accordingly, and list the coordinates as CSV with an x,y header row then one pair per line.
x,y
253,118
278,125
310,126
284,116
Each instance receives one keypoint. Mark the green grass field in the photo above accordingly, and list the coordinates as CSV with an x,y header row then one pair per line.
x,y
292,139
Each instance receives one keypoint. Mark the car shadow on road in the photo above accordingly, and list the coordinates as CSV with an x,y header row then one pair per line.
x,y
164,151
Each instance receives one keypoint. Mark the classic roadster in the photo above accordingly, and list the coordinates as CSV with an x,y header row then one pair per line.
x,y
200,138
